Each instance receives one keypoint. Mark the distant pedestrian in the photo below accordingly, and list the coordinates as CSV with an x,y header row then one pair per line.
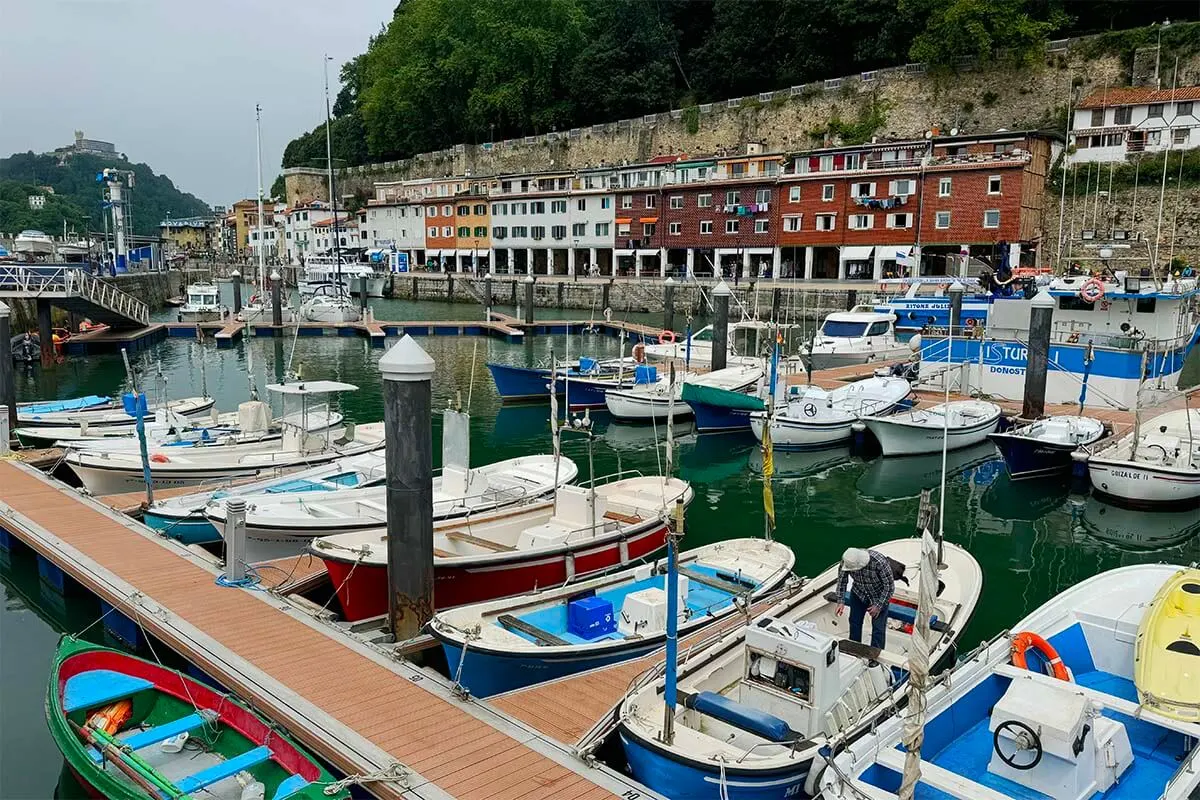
x,y
871,589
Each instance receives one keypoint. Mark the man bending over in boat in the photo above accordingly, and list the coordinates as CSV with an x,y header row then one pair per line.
x,y
870,593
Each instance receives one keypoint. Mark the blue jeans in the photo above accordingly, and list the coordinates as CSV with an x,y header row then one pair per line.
x,y
858,610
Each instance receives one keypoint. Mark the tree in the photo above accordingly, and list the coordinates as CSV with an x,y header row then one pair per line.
x,y
279,187
976,29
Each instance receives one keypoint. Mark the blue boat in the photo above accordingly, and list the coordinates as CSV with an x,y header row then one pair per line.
x,y
1044,447
720,410
558,632
90,402
533,383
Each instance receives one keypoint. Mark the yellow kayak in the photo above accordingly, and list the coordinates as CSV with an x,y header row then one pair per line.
x,y
1166,664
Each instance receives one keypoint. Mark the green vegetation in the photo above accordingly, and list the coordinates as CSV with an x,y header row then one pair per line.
x,y
446,72
76,195
278,188
1148,172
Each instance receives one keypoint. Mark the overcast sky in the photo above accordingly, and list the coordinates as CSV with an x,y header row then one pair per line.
x,y
173,83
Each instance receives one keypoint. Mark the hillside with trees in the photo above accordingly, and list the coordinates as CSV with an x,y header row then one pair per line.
x,y
445,72
76,195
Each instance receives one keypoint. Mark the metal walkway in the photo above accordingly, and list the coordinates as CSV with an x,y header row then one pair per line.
x,y
72,288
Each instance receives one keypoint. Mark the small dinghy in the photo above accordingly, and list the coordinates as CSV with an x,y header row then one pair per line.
x,y
1050,711
130,729
1156,465
760,702
650,397
584,531
812,417
917,432
103,415
90,402
1167,655
557,632
1044,446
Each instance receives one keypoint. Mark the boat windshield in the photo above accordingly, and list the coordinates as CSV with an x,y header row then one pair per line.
x,y
843,329
704,335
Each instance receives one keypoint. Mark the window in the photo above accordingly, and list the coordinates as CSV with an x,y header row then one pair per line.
x,y
994,184
464,211
558,207
447,231
480,209
902,188
826,222
520,231
1153,137
605,202
852,160
602,228
579,229
622,229
942,220
480,232
677,201
792,224
705,227
733,197
1180,136
416,211
862,222
991,218
1097,117
626,202
431,232
648,229
537,207
761,225
1155,111
1114,139
432,211
762,196
1124,116
944,187
464,231
559,231
538,232
1184,109
581,204
675,228
862,190
794,194
447,211
704,201
827,192
731,226
737,169
497,209
826,163
899,220
650,201
878,328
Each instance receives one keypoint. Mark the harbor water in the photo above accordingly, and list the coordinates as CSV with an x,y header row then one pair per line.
x,y
1032,540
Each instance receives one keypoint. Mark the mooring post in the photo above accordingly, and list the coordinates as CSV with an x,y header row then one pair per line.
x,y
449,287
362,292
235,539
529,299
1041,313
776,302
415,291
851,299
720,341
8,387
606,295
561,289
276,301
407,410
669,304
45,332
236,277
956,298
487,295
513,287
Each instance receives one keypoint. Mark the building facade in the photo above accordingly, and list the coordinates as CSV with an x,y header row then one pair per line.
x,y
186,235
1113,124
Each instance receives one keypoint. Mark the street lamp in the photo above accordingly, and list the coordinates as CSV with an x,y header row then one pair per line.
x,y
1166,23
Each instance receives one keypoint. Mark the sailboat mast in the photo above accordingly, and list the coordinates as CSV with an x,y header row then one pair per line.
x,y
337,251
262,269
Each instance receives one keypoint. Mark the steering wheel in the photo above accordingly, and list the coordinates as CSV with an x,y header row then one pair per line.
x,y
1025,739
1160,447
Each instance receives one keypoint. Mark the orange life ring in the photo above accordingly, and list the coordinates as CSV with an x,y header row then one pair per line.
x,y
666,337
159,458
1092,290
639,353
1024,640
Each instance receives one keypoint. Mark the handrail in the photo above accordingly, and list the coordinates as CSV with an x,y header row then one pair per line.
x,y
38,281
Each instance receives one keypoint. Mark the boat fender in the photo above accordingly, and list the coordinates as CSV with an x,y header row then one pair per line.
x,y
159,458
666,337
639,353
1092,290
1022,641
812,781
110,718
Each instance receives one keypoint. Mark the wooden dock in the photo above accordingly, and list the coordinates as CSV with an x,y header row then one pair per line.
x,y
351,703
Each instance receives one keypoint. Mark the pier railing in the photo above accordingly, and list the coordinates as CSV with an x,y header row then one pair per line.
x,y
33,282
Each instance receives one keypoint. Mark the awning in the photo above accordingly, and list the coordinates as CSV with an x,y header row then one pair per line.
x,y
481,252
620,252
649,219
857,253
623,220
433,253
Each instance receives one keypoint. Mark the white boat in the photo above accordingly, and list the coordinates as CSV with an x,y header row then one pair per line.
x,y
1157,464
74,249
290,520
1002,728
1044,446
329,308
651,399
564,630
747,341
203,304
759,702
813,417
111,472
103,417
859,336
322,273
33,243
917,432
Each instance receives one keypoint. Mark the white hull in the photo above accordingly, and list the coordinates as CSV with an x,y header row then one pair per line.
x,y
109,417
187,314
1144,484
789,433
324,311
629,406
812,417
831,359
1161,467
921,432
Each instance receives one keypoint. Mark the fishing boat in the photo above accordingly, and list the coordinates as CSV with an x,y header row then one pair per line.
x,y
203,304
1044,446
288,521
813,417
1156,464
859,336
1167,652
1048,710
533,383
759,702
131,729
183,517
99,416
553,633
650,395
919,431
582,532
89,402
115,471
717,410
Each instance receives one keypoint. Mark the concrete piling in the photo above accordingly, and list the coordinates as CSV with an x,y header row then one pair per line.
x,y
487,293
237,291
956,298
362,292
8,387
45,332
720,341
851,298
669,304
528,299
276,300
1041,314
407,409
606,295
776,303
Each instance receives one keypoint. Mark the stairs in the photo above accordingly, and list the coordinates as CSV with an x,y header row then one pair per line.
x,y
73,289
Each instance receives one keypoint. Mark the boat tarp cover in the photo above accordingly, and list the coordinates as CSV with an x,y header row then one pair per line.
x,y
722,398
748,718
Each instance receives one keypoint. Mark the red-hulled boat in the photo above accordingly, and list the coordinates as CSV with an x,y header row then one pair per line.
x,y
487,556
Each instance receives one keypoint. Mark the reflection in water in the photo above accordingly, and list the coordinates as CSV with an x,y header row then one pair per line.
x,y
708,459
1024,500
795,464
906,476
1132,529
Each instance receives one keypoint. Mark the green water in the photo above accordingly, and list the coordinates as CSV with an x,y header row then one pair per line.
x,y
1032,541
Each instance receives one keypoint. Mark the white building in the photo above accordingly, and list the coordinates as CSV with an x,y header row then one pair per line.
x,y
1112,124
531,224
299,238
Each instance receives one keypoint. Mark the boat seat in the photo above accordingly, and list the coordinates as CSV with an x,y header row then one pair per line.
x,y
226,769
860,650
443,553
98,687
371,504
487,544
290,786
160,733
628,519
521,626
716,582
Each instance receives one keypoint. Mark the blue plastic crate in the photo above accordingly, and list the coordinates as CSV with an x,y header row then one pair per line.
x,y
644,373
591,617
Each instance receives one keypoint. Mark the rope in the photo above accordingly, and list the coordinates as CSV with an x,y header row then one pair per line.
x,y
394,773
918,669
